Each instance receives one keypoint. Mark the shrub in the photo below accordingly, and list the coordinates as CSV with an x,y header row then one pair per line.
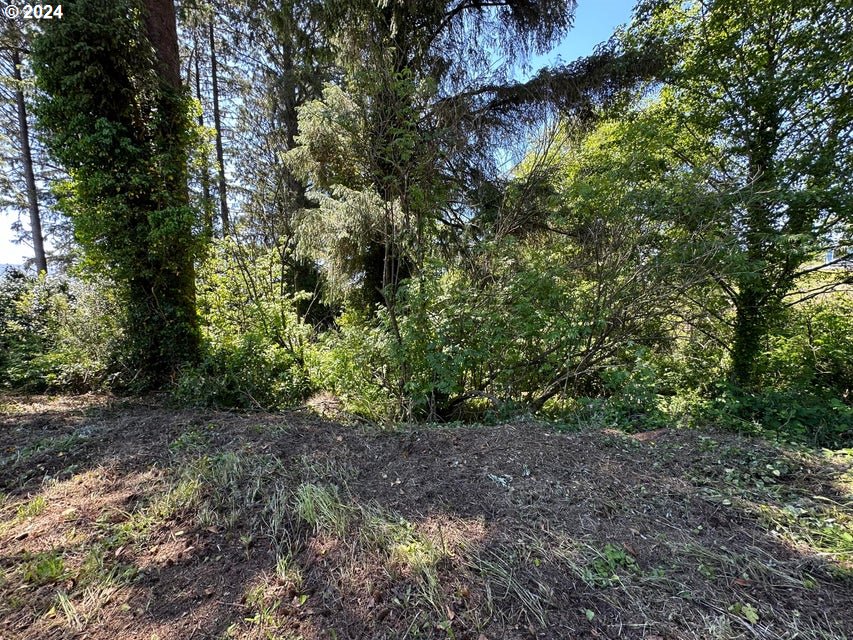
x,y
250,372
254,340
57,333
796,415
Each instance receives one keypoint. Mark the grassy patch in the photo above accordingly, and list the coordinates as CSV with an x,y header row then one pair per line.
x,y
43,568
321,508
32,508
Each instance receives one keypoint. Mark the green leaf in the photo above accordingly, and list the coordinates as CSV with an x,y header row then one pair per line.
x,y
748,612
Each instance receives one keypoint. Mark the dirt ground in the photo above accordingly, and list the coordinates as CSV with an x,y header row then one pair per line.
x,y
129,519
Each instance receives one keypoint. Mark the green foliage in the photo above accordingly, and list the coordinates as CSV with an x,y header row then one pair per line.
x,y
524,332
43,568
59,334
254,340
32,508
123,136
804,377
354,362
796,415
603,570
756,87
812,348
249,372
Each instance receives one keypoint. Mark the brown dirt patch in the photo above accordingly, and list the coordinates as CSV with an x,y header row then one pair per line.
x,y
127,519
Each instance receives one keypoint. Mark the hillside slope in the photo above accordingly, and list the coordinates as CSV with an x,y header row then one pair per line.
x,y
132,520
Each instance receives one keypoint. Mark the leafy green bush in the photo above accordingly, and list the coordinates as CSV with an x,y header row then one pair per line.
x,y
812,349
354,362
796,415
806,375
250,373
254,341
460,345
57,333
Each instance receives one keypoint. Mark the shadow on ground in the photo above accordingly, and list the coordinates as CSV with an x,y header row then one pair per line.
x,y
124,519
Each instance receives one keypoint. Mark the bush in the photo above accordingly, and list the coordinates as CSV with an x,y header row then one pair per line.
x,y
812,349
355,362
57,333
796,415
249,373
254,341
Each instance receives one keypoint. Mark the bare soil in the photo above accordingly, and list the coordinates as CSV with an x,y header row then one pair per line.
x,y
132,520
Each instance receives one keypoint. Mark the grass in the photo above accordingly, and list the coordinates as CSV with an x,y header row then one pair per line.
x,y
72,617
320,507
510,595
31,508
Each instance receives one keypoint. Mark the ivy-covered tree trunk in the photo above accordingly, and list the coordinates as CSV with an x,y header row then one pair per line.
x,y
750,329
170,303
117,117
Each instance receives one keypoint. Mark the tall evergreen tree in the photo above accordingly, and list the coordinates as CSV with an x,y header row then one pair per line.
x,y
13,44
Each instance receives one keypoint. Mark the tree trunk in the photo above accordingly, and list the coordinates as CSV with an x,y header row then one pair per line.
x,y
165,301
207,202
217,123
27,161
750,328
162,28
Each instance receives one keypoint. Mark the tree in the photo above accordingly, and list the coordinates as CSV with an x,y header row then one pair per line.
x,y
27,162
395,146
117,117
761,89
217,124
13,44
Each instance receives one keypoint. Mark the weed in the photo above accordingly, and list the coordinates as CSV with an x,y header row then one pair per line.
x,y
277,520
263,607
32,508
405,546
53,445
827,529
603,570
43,568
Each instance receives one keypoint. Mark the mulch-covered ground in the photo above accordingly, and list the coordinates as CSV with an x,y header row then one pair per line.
x,y
131,520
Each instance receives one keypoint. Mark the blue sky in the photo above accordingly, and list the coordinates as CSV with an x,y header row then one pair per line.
x,y
595,21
